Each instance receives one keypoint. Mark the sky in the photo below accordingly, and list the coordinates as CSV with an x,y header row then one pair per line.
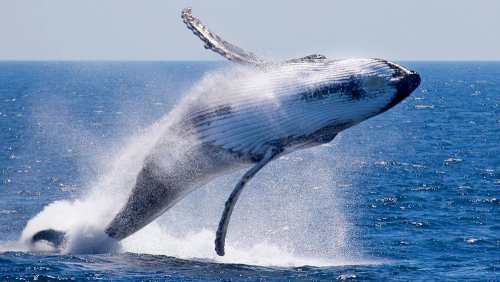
x,y
279,29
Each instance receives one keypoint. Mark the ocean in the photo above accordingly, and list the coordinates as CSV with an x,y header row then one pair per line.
x,y
411,194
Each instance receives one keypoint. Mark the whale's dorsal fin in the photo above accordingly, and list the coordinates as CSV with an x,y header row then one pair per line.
x,y
217,44
271,153
314,58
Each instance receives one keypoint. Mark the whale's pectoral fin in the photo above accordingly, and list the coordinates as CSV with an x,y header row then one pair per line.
x,y
314,58
271,153
54,237
217,44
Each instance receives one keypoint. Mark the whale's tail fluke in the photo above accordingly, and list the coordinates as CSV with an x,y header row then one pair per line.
x,y
53,237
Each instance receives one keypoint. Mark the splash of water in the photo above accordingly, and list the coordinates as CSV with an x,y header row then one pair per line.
x,y
290,214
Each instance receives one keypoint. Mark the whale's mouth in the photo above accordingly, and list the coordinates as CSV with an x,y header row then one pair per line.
x,y
406,85
405,82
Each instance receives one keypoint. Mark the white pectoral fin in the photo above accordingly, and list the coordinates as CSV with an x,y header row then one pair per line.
x,y
271,153
217,44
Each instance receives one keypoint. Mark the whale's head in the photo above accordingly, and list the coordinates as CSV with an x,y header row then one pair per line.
x,y
298,104
404,81
346,92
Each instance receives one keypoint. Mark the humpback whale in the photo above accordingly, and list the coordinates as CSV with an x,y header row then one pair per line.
x,y
248,118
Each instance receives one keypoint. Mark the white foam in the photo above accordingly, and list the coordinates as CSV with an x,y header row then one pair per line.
x,y
199,246
83,222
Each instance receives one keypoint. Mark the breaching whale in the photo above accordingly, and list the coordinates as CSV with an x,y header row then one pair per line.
x,y
247,118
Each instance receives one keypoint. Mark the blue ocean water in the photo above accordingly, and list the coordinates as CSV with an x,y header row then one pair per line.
x,y
412,194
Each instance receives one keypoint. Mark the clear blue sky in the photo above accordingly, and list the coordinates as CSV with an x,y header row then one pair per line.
x,y
153,30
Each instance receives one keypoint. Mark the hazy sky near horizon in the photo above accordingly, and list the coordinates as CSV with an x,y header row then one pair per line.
x,y
153,29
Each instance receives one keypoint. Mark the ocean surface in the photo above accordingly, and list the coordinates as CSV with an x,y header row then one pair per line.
x,y
412,194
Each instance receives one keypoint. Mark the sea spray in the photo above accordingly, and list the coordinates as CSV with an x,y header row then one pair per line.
x,y
87,217
288,216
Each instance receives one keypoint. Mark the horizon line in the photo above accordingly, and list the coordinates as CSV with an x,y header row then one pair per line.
x,y
163,60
